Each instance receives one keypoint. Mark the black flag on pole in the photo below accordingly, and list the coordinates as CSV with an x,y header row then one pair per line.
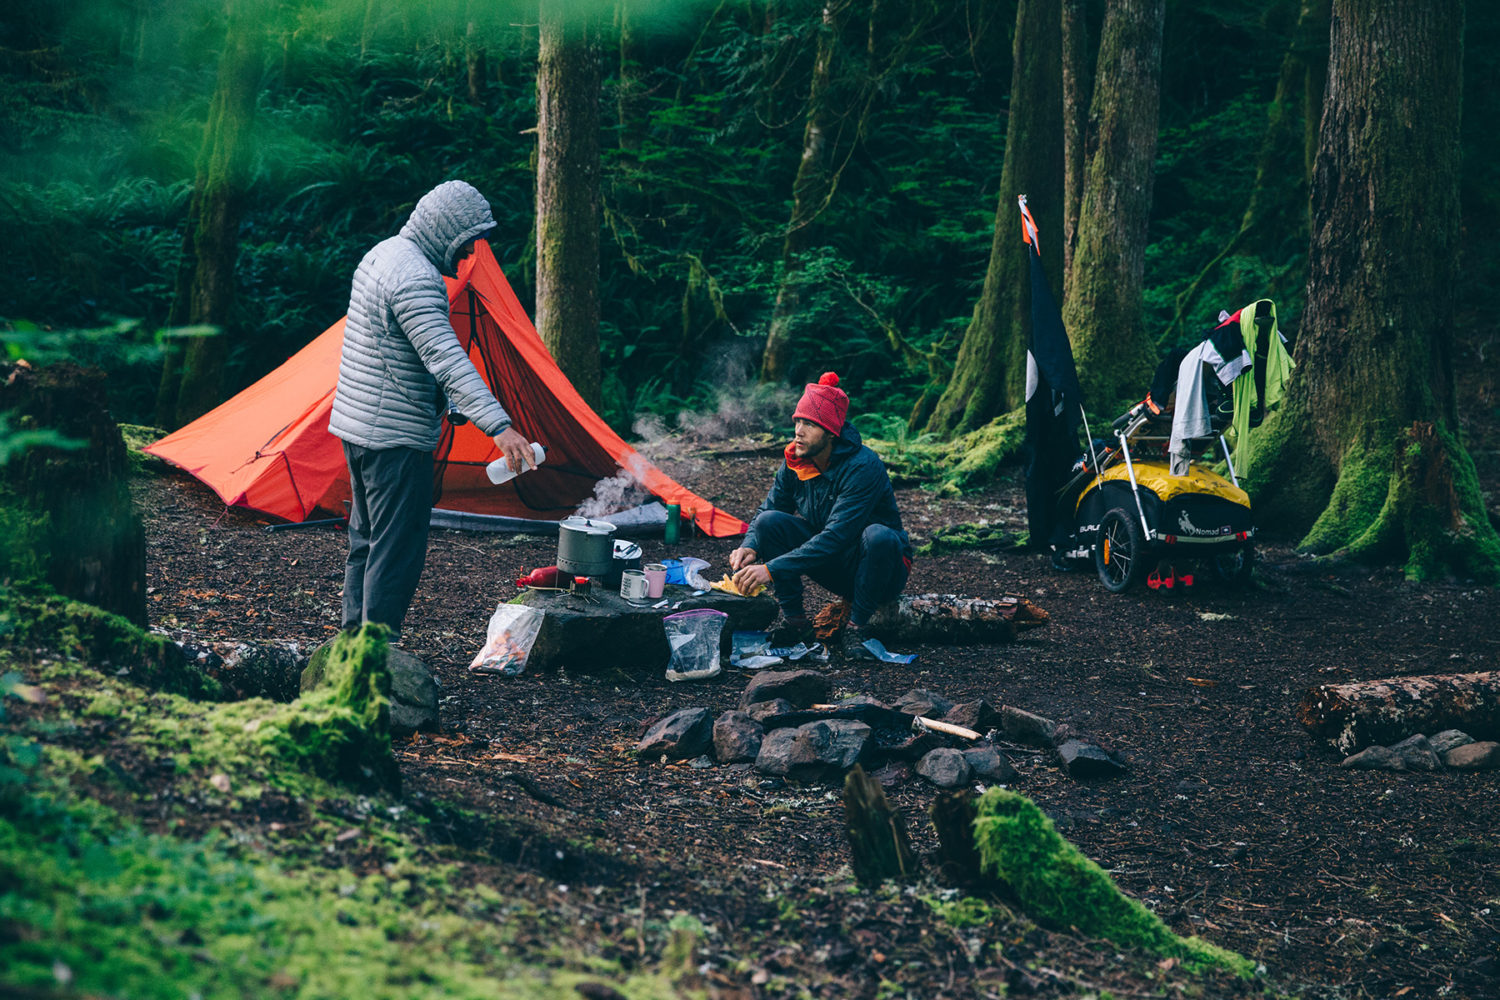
x,y
1054,403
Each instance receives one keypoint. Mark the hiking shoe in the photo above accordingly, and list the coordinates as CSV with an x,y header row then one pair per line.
x,y
788,632
854,644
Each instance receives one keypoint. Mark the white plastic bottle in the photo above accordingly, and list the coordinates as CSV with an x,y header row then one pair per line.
x,y
499,470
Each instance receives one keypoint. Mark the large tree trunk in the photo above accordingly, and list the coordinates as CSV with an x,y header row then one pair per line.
x,y
193,376
1278,203
1075,84
989,376
1370,416
1102,312
567,193
1380,712
809,198
67,512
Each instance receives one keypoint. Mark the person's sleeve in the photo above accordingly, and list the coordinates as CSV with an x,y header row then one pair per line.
x,y
779,498
422,314
856,500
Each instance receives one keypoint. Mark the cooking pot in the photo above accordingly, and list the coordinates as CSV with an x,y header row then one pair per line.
x,y
585,547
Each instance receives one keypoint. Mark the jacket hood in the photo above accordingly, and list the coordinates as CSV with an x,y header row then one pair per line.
x,y
848,440
447,217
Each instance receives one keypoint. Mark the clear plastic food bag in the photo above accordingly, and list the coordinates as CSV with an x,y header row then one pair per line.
x,y
512,632
693,637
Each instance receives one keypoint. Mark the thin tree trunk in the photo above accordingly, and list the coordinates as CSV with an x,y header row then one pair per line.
x,y
1075,84
1102,312
1278,201
1370,416
808,198
630,91
192,382
476,63
567,193
989,376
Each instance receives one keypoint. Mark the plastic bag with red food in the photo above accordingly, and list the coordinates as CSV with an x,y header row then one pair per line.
x,y
512,632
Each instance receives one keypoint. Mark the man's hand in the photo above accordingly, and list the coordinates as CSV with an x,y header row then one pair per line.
x,y
746,579
516,449
740,558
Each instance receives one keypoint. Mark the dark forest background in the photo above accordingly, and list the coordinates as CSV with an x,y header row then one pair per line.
x,y
361,108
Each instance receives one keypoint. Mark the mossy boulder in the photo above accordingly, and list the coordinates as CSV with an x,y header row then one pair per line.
x,y
1058,887
340,728
413,692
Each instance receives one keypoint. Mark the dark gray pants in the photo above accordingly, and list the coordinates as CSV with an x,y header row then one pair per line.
x,y
870,573
388,522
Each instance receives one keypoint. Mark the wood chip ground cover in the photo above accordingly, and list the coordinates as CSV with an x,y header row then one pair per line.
x,y
1232,825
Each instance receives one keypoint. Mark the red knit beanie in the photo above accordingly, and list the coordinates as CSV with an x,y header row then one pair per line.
x,y
824,403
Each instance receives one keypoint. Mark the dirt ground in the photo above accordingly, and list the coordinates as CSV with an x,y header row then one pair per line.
x,y
1232,823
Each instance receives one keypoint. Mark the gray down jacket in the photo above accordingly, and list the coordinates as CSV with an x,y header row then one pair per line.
x,y
400,353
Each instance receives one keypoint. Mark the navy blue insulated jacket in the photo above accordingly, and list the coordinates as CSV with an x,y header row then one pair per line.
x,y
854,493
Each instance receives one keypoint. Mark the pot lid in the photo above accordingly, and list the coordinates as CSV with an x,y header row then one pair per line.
x,y
587,526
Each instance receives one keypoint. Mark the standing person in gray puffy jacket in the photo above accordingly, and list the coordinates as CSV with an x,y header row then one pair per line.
x,y
401,359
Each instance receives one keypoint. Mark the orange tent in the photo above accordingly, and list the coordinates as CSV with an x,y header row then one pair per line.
x,y
269,448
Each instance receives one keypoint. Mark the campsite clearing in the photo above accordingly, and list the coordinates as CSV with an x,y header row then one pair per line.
x,y
1233,823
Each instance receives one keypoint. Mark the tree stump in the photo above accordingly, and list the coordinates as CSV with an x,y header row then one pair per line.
x,y
958,858
878,843
67,510
1366,713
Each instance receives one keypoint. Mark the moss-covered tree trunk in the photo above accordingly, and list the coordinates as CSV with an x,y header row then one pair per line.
x,y
989,376
1278,208
1102,311
68,516
567,192
1075,87
1366,441
809,197
193,377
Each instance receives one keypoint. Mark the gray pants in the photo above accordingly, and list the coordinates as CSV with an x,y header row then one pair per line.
x,y
388,520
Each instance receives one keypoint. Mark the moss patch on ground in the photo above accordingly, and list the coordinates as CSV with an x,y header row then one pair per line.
x,y
1058,887
35,616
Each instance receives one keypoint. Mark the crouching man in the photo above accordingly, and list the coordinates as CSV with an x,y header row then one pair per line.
x,y
831,516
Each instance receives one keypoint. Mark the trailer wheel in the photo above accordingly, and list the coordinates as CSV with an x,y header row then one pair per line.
x,y
1120,550
1235,568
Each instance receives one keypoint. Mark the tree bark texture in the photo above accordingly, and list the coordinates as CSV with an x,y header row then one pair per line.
x,y
1075,84
1366,434
879,847
567,193
809,197
958,861
989,376
1102,311
71,508
1278,207
1381,712
206,283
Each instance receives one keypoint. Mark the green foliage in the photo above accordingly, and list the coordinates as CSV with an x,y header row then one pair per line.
x,y
1057,886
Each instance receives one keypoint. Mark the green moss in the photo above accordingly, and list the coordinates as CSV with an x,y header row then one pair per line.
x,y
1060,888
967,461
126,913
35,616
981,535
341,728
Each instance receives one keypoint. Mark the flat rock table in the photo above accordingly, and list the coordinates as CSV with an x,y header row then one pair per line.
x,y
603,630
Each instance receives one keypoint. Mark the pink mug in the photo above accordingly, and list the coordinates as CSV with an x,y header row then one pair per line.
x,y
656,579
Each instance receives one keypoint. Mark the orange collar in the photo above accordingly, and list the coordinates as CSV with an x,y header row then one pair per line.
x,y
803,467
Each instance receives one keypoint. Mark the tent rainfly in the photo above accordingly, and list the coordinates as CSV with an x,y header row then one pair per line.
x,y
269,448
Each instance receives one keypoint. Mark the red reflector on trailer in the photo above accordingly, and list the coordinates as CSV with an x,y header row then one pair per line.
x,y
1169,539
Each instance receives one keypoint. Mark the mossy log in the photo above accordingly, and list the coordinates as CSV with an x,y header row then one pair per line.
x,y
878,843
65,511
1054,884
950,618
1380,712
